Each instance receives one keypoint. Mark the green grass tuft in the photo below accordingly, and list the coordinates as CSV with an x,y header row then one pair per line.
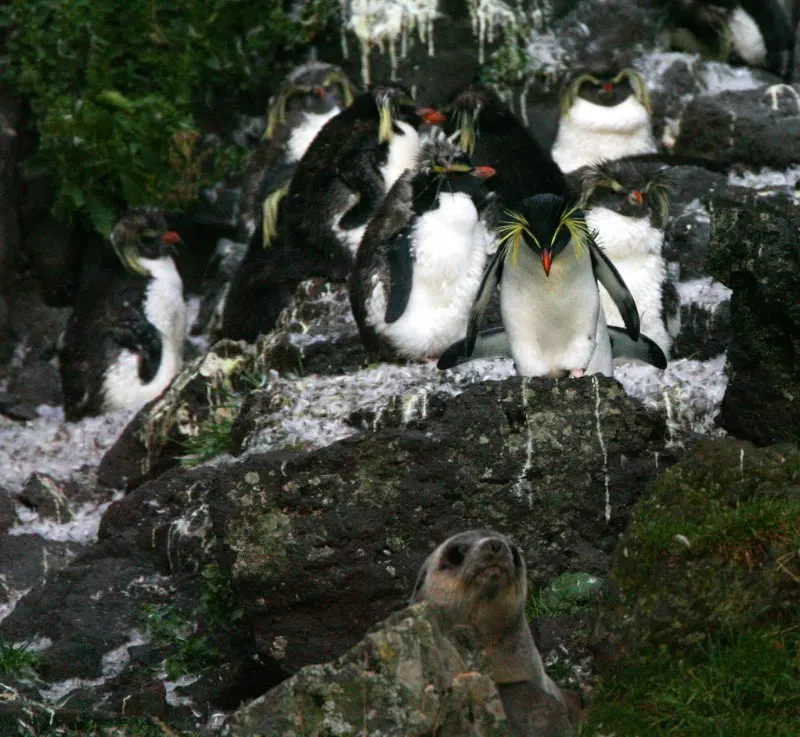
x,y
17,660
739,684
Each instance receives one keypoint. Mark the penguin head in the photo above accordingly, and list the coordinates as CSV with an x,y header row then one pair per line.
x,y
607,89
394,102
314,88
443,166
547,224
142,234
633,189
475,107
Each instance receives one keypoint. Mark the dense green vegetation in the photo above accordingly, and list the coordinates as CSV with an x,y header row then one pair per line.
x,y
117,89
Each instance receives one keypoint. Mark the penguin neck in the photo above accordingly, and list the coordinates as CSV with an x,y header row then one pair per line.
x,y
304,131
401,154
589,132
619,235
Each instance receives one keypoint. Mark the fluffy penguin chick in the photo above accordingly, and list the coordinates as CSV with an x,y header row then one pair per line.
x,y
422,256
308,98
124,341
345,173
627,206
479,578
603,116
548,265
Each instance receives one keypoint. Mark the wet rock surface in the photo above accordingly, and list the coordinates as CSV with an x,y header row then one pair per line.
x,y
754,252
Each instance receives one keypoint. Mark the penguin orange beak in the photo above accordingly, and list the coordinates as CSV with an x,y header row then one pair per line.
x,y
635,197
320,92
431,116
171,238
483,172
547,260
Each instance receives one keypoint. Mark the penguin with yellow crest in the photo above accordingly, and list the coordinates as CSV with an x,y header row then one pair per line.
x,y
548,266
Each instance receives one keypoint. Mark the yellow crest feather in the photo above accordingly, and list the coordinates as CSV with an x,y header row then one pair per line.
x,y
577,227
385,126
269,214
513,229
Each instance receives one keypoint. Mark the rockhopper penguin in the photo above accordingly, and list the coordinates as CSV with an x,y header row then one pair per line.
x,y
315,224
342,178
758,33
422,256
124,341
309,97
548,265
627,206
493,136
603,116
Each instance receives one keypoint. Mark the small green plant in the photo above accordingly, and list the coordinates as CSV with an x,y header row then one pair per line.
x,y
189,640
568,594
213,437
17,660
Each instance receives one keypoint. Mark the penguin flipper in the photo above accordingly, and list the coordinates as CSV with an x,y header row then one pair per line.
x,y
490,279
141,337
643,349
363,178
489,344
401,276
606,273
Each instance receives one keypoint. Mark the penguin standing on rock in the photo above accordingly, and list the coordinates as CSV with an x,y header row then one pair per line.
x,y
627,207
548,266
493,136
344,174
603,116
309,97
124,341
758,33
423,255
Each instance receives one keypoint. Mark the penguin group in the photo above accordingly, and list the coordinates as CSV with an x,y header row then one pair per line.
x,y
429,215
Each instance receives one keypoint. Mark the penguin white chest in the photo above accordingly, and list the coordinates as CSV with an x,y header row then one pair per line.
x,y
401,154
449,252
165,309
634,247
746,37
555,324
589,133
303,134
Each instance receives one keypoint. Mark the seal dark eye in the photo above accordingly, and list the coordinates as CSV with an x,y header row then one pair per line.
x,y
517,557
454,556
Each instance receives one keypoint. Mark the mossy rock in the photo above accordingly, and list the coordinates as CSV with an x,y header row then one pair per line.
x,y
714,546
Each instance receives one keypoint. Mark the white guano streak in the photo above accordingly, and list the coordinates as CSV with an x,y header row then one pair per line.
x,y
603,448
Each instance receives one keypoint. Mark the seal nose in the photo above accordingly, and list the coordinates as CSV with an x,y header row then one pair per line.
x,y
495,546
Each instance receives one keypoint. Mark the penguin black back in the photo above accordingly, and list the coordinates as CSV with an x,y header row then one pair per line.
x,y
494,136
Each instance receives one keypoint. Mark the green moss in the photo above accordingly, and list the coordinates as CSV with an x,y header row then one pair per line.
x,y
44,726
116,89
739,684
17,660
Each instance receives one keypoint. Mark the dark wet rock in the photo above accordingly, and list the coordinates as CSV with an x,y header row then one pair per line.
x,y
47,496
705,331
28,560
36,384
14,410
8,511
754,252
759,127
707,551
35,327
414,674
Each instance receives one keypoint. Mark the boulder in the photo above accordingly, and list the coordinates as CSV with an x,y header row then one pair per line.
x,y
754,252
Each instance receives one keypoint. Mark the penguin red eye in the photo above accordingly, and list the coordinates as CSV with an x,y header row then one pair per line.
x,y
454,556
608,87
171,238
